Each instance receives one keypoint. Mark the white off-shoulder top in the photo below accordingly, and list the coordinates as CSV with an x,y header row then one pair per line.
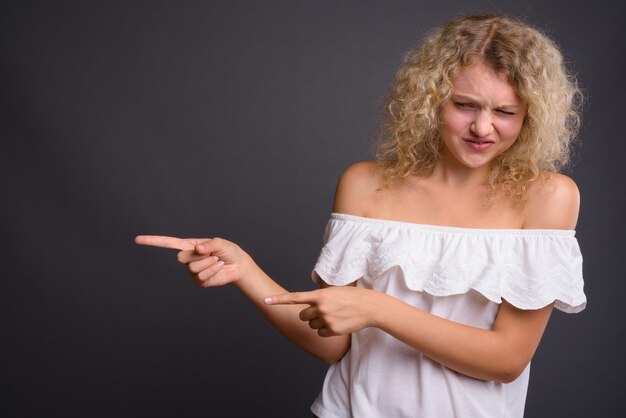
x,y
461,274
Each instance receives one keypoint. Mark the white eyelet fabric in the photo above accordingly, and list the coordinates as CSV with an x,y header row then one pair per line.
x,y
530,268
461,274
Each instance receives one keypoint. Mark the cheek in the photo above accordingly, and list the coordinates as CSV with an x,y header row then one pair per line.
x,y
510,131
453,121
513,132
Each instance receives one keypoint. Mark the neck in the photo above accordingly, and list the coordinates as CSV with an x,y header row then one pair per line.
x,y
452,173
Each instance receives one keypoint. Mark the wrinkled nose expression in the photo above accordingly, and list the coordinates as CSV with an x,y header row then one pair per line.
x,y
483,117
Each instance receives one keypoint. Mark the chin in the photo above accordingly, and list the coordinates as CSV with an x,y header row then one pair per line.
x,y
475,163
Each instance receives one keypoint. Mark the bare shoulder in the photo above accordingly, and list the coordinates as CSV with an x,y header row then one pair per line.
x,y
357,188
553,203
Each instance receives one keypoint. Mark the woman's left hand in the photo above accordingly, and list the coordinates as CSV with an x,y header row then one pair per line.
x,y
333,310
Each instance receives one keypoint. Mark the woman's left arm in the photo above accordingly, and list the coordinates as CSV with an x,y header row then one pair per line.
x,y
498,354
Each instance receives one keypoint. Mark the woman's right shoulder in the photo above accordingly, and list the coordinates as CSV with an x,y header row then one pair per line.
x,y
359,188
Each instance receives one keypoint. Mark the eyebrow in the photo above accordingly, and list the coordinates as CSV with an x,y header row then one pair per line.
x,y
508,106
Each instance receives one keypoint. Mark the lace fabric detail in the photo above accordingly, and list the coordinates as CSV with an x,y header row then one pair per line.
x,y
528,268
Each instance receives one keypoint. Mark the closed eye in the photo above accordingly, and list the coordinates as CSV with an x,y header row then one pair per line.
x,y
464,105
504,112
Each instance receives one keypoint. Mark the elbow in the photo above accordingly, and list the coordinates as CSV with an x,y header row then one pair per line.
x,y
507,377
331,358
510,372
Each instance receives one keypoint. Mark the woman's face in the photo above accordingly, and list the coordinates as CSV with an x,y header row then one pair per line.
x,y
483,117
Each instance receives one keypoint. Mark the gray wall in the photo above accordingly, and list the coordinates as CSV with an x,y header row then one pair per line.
x,y
235,119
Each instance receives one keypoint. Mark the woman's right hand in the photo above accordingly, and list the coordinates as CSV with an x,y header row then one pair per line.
x,y
216,262
211,262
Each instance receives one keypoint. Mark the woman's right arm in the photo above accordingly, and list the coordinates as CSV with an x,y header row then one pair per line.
x,y
217,262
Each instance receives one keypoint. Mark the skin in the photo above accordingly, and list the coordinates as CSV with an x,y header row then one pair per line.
x,y
217,262
484,107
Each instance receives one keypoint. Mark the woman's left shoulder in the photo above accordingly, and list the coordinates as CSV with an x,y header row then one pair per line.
x,y
553,203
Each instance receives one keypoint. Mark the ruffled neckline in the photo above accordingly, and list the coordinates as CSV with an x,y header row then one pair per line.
x,y
530,268
451,229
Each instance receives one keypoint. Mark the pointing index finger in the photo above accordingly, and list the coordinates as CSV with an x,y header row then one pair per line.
x,y
291,298
164,242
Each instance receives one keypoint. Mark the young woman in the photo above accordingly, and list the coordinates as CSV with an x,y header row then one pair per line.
x,y
445,257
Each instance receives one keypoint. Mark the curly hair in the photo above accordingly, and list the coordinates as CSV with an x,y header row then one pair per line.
x,y
533,64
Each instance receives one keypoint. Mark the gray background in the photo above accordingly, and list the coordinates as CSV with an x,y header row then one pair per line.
x,y
235,119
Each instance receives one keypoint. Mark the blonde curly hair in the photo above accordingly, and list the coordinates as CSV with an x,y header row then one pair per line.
x,y
410,140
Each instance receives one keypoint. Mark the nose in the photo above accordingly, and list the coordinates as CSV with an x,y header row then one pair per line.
x,y
481,125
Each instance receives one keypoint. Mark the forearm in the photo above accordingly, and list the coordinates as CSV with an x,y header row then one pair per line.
x,y
496,354
255,285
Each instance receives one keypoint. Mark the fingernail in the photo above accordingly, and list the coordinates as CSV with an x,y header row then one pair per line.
x,y
200,247
220,263
268,300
